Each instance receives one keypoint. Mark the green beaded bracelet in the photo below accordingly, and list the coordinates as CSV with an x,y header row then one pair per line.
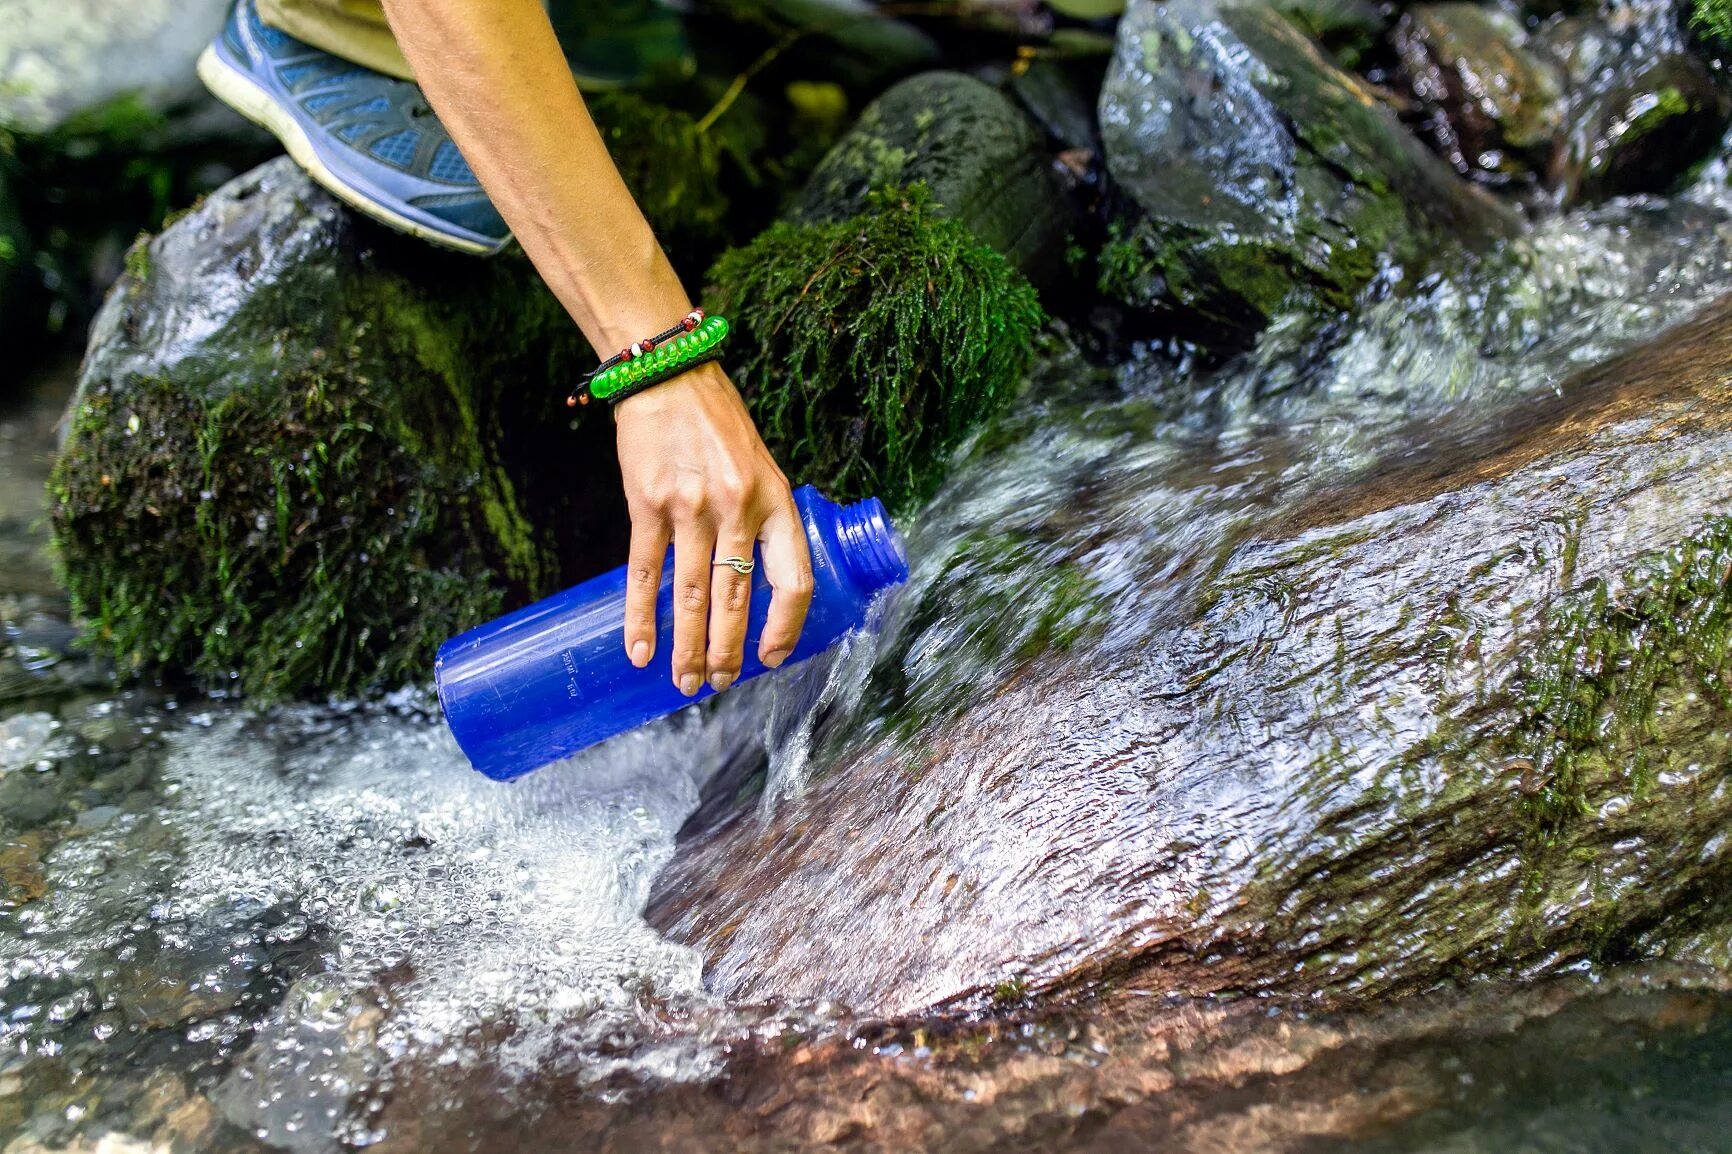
x,y
665,361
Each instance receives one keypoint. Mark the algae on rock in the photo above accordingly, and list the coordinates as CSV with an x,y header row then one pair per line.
x,y
303,451
1354,729
981,158
867,347
1267,178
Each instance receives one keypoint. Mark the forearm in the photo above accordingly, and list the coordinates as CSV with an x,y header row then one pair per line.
x,y
496,76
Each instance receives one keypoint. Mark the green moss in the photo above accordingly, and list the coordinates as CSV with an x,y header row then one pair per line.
x,y
1614,654
363,460
868,347
672,168
1714,19
263,563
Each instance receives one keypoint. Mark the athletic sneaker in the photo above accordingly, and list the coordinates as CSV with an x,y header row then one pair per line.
x,y
369,138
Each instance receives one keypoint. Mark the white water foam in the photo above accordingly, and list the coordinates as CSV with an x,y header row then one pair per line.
x,y
463,908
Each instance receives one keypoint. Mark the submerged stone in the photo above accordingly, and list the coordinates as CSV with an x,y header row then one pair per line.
x,y
304,451
1267,177
975,151
1465,713
1493,107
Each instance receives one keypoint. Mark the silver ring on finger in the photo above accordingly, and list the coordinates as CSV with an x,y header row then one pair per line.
x,y
740,565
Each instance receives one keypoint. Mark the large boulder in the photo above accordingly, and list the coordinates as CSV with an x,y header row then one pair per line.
x,y
65,59
1307,726
303,450
1266,177
981,157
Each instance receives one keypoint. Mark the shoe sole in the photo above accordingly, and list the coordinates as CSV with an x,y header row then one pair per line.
x,y
242,94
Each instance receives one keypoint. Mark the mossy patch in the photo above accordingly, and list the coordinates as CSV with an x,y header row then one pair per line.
x,y
672,168
322,557
1590,695
1713,18
366,456
868,347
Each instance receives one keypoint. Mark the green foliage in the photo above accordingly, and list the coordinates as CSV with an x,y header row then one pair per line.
x,y
868,347
672,168
1714,19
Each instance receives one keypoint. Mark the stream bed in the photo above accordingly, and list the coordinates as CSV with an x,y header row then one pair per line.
x,y
314,928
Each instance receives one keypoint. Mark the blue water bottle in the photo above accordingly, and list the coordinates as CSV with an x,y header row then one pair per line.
x,y
553,678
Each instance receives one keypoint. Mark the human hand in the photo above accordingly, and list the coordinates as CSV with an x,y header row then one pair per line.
x,y
697,474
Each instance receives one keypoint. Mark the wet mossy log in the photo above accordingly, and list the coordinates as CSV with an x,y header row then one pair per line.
x,y
303,450
1266,179
1469,714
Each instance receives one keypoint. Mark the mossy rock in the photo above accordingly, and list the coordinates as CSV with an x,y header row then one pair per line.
x,y
673,170
1646,131
1494,107
1339,732
303,451
867,347
981,158
1267,178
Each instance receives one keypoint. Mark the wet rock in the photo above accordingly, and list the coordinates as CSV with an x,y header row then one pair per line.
x,y
303,451
25,738
1464,715
982,159
1493,107
846,40
22,878
63,59
1267,178
1347,29
1644,130
1135,1071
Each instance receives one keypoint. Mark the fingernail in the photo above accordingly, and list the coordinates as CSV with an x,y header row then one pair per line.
x,y
690,683
720,681
640,654
775,657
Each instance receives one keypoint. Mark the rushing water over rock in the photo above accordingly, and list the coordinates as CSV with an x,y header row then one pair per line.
x,y
314,926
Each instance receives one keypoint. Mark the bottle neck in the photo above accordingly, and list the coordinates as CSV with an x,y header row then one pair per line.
x,y
871,548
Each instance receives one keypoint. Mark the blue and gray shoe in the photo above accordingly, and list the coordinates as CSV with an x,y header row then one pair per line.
x,y
369,138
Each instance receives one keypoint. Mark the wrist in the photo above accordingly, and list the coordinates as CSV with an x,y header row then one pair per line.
x,y
696,383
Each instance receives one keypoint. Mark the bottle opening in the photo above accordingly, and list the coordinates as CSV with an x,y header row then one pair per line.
x,y
871,548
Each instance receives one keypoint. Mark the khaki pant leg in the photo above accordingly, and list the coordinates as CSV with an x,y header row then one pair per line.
x,y
353,29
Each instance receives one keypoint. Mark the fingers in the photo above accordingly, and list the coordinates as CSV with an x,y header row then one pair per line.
x,y
788,566
643,579
694,546
730,598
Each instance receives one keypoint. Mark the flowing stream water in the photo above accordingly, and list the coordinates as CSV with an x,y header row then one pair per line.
x,y
227,929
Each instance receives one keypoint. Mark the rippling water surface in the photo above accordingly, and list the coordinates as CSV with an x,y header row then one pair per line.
x,y
223,928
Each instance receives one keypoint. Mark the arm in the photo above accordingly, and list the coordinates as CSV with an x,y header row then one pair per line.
x,y
696,472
